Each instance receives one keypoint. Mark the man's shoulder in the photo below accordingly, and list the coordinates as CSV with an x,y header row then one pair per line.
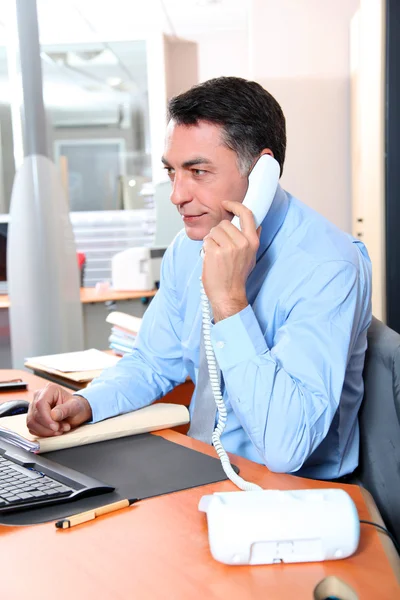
x,y
319,239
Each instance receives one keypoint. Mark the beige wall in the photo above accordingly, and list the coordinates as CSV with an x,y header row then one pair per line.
x,y
368,140
300,52
223,53
181,65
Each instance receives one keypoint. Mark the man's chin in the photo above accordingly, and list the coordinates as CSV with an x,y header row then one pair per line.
x,y
196,236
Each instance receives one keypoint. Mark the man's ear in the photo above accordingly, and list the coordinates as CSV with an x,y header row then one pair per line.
x,y
267,151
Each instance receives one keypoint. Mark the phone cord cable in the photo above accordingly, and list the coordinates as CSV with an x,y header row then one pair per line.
x,y
215,386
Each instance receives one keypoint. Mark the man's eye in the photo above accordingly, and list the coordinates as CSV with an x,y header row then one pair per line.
x,y
198,172
170,171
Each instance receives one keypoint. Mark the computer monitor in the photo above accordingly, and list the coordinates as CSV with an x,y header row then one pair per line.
x,y
4,219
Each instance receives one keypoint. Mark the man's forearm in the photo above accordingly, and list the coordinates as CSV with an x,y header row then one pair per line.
x,y
285,412
277,413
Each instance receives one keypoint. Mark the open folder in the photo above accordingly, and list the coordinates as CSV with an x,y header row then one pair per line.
x,y
151,418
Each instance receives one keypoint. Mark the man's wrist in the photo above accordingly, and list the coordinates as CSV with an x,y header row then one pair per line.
x,y
86,408
224,310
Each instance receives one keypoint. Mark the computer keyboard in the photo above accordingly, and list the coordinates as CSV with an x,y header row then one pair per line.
x,y
18,484
28,481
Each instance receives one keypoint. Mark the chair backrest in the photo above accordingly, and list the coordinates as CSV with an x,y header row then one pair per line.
x,y
379,469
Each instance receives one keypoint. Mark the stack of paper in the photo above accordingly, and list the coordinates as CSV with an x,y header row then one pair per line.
x,y
69,362
78,367
151,418
14,438
123,331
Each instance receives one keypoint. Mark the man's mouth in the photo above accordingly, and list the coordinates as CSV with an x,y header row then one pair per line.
x,y
192,218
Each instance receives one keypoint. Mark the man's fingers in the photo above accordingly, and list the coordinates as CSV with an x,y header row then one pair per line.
x,y
40,409
209,243
221,236
67,410
40,420
55,411
247,223
39,430
236,237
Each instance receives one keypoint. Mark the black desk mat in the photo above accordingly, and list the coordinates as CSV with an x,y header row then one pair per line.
x,y
140,466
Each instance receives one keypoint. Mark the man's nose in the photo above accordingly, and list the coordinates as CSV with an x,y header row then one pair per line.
x,y
180,191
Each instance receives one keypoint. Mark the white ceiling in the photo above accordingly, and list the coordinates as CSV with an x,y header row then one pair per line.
x,y
75,21
68,26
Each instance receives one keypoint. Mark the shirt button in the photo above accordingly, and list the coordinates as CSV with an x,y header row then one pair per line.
x,y
220,344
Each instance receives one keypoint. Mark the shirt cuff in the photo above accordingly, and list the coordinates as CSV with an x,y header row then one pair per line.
x,y
98,397
237,338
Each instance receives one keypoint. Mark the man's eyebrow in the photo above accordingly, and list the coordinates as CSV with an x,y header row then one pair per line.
x,y
199,160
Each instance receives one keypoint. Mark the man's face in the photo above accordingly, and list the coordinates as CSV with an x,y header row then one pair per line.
x,y
203,173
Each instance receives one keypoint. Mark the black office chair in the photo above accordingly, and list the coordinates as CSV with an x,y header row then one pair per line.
x,y
379,418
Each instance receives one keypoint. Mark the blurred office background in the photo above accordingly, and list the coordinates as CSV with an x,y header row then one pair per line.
x,y
109,69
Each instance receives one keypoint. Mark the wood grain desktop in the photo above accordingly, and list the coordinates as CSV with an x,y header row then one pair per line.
x,y
91,295
160,550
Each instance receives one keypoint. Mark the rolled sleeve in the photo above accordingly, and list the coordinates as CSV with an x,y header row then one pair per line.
x,y
237,338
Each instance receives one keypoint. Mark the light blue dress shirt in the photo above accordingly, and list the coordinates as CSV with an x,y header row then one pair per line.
x,y
291,361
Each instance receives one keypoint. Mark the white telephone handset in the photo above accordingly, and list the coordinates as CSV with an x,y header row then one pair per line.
x,y
263,182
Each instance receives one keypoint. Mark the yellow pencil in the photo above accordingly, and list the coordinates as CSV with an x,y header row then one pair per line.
x,y
90,515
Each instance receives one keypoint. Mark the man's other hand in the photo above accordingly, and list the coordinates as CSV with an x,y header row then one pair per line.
x,y
55,411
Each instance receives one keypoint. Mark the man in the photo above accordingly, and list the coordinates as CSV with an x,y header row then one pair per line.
x,y
290,301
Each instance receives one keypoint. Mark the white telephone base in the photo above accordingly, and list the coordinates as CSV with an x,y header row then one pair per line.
x,y
272,526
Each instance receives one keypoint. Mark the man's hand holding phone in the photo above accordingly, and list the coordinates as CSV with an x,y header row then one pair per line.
x,y
230,256
55,411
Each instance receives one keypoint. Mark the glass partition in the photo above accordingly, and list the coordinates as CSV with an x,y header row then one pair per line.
x,y
96,101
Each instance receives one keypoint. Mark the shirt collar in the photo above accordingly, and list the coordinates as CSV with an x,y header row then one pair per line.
x,y
273,220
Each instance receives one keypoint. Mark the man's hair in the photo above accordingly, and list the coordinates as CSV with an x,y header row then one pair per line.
x,y
250,117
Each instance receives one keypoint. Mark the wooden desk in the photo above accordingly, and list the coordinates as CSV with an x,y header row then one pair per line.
x,y
91,295
158,549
